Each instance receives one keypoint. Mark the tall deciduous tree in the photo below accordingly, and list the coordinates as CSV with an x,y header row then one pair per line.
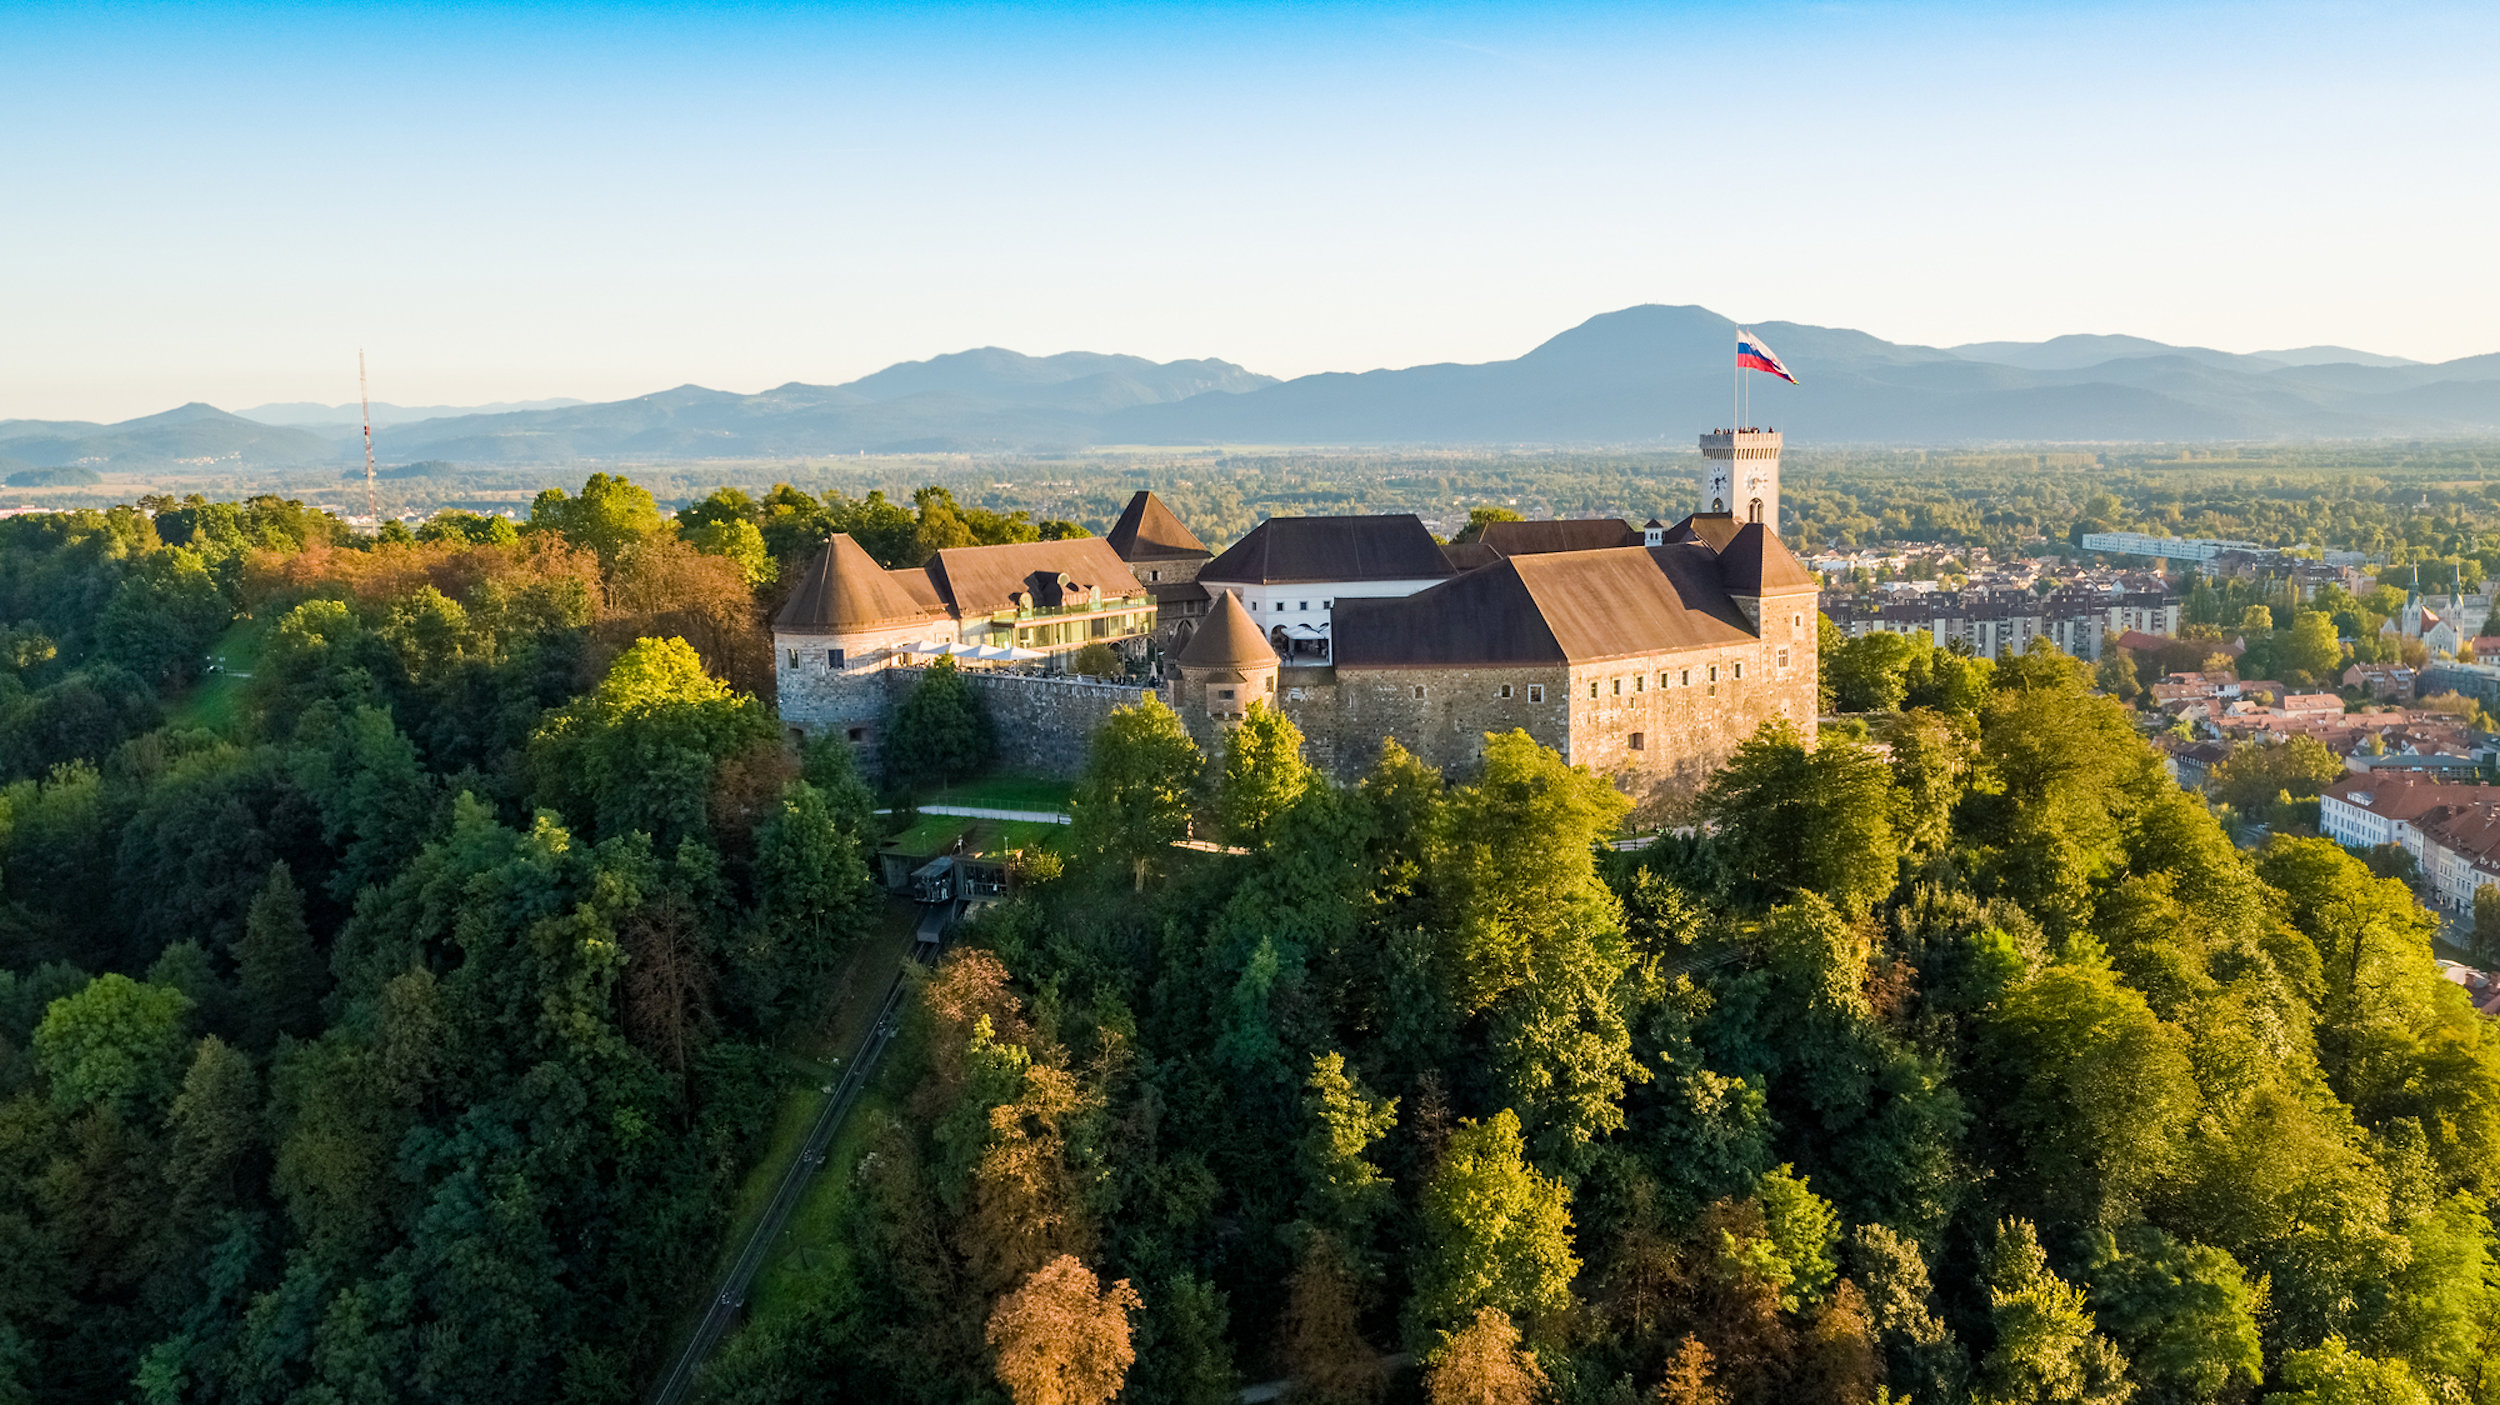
x,y
1062,1337
2046,1352
1791,819
1134,799
941,731
639,752
1485,1364
1496,1233
1263,772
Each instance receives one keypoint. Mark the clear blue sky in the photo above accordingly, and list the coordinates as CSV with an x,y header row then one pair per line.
x,y
224,202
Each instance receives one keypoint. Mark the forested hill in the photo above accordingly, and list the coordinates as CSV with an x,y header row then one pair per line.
x,y
405,942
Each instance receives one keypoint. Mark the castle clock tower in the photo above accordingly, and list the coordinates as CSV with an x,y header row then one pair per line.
x,y
1743,475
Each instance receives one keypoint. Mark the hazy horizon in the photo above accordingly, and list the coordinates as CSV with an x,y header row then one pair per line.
x,y
519,203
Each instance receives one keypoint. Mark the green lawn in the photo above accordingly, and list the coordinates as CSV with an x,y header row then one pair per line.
x,y
215,702
1005,792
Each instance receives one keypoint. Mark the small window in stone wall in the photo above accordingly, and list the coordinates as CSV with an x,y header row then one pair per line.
x,y
1505,691
1225,693
1640,681
1740,670
1536,692
1783,658
833,658
1419,690
1592,687
1714,673
1618,687
859,734
1633,741
794,658
1688,678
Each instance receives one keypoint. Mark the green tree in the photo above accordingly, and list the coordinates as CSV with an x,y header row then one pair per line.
x,y
115,1041
1870,673
1482,516
941,731
2485,937
639,752
1134,799
2311,653
1343,1190
2184,1313
2093,1093
1263,773
1495,1233
2334,1374
738,541
2115,675
1922,1360
1804,1232
2046,1352
941,524
1791,819
1098,660
1535,938
611,514
2255,772
283,977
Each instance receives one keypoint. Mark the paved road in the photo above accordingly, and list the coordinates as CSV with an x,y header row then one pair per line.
x,y
732,1295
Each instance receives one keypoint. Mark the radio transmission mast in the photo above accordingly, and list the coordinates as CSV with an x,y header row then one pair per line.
x,y
365,399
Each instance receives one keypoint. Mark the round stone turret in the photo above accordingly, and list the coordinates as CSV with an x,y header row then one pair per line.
x,y
1227,665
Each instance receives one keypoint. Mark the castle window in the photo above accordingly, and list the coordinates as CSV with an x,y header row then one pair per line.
x,y
1592,687
1271,685
1714,673
1783,658
1305,605
1154,575
794,658
1225,693
1505,691
859,734
833,658
1633,741
1536,692
1688,678
1640,681
1419,690
1328,604
1618,687
1740,670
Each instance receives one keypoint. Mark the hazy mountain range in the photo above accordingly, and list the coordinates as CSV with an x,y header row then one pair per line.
x,y
1643,375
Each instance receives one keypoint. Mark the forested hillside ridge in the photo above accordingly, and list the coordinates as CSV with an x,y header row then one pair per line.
x,y
1962,1059
396,940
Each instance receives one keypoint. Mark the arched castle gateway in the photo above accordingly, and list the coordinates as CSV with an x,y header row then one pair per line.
x,y
1647,653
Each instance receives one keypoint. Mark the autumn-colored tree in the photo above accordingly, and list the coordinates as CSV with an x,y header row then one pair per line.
x,y
1688,1380
1063,1338
1321,1341
1484,1364
1026,1207
1836,1363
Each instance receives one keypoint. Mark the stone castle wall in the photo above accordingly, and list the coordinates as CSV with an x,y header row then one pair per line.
x,y
1044,723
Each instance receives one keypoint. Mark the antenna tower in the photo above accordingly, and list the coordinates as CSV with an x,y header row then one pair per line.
x,y
364,398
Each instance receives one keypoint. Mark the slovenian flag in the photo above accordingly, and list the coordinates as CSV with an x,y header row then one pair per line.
x,y
1752,355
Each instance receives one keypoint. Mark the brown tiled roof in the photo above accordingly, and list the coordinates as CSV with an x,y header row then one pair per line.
x,y
1754,562
1148,531
1571,534
1714,529
845,588
1388,548
979,579
1229,639
1555,607
2403,795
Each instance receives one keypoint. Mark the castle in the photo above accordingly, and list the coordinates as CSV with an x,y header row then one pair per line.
x,y
1646,653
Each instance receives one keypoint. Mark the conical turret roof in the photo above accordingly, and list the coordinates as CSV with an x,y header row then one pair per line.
x,y
1148,531
846,589
1229,639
